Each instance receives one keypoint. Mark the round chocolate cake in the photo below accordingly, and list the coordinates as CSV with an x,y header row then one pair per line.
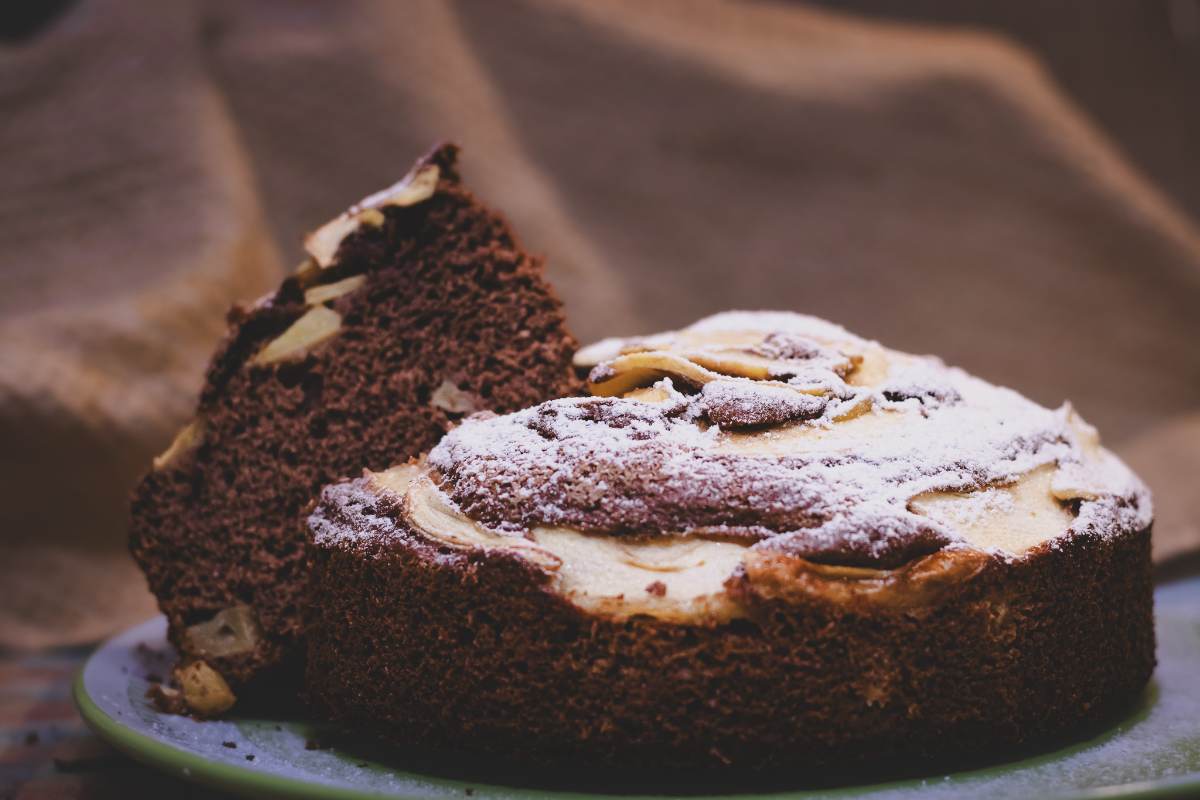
x,y
763,542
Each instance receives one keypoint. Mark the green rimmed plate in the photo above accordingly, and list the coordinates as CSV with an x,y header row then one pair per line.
x,y
1152,752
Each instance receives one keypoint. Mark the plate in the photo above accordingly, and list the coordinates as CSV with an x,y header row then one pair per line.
x,y
1154,751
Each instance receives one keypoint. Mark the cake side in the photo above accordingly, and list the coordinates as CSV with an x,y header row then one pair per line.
x,y
1010,654
415,307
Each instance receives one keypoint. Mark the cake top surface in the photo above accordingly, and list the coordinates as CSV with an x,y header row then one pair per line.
x,y
789,432
751,436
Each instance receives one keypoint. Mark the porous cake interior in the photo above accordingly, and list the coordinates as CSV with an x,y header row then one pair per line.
x,y
417,307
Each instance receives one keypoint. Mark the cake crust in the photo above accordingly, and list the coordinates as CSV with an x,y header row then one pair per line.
x,y
473,650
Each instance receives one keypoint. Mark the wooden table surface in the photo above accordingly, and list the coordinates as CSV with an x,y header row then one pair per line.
x,y
47,753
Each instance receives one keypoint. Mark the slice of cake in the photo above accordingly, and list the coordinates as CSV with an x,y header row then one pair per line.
x,y
766,542
415,308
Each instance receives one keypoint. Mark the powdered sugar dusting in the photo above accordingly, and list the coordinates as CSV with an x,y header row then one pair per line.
x,y
778,323
828,476
774,322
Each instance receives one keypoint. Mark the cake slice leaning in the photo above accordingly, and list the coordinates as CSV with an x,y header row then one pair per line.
x,y
415,307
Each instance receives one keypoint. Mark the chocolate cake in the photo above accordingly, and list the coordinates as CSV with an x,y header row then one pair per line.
x,y
414,308
763,542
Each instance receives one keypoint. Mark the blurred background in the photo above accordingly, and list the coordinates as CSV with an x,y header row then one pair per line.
x,y
1013,186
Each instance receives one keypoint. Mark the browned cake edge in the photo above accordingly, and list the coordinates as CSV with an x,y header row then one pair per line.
x,y
472,651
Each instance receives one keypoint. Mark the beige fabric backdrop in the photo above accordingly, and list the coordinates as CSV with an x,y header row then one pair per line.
x,y
933,190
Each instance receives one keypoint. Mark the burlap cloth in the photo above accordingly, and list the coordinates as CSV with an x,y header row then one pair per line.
x,y
933,190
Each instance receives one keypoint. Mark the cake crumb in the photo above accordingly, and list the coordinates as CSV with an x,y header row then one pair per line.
x,y
166,699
